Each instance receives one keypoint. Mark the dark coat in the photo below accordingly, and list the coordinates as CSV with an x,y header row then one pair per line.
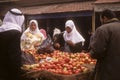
x,y
10,55
105,47
58,38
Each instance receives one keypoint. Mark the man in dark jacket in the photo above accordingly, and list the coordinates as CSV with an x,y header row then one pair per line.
x,y
105,47
10,52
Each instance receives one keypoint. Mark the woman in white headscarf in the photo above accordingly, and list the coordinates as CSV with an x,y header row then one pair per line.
x,y
10,52
72,37
31,37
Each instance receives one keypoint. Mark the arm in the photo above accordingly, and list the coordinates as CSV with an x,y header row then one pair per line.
x,y
70,43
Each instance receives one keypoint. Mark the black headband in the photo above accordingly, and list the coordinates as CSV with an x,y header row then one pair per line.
x,y
20,14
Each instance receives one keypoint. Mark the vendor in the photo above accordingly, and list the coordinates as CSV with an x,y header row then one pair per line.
x,y
31,37
72,37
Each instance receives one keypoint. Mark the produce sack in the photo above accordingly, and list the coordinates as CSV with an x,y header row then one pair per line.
x,y
46,46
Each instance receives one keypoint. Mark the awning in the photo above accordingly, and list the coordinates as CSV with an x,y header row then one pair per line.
x,y
3,1
60,15
58,8
106,1
113,5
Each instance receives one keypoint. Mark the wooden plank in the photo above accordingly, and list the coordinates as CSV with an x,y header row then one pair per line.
x,y
101,7
2,1
44,2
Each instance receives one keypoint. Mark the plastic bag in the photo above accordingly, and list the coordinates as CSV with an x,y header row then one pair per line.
x,y
28,58
46,46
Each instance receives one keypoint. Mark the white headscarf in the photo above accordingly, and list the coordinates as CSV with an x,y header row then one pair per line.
x,y
12,21
30,37
56,31
36,31
74,35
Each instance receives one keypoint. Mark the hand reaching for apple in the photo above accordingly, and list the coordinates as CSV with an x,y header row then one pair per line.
x,y
57,45
69,42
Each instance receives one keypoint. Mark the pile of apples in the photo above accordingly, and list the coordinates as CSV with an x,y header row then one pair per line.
x,y
64,62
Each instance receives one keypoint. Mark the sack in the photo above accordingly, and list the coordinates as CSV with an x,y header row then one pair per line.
x,y
46,46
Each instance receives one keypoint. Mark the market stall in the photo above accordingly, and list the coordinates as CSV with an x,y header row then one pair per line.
x,y
60,66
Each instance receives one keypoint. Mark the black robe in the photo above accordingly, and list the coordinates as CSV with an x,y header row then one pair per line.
x,y
10,55
77,48
58,38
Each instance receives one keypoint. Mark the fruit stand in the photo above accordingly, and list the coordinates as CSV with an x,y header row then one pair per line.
x,y
61,66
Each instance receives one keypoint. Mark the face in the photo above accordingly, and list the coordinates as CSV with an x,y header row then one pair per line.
x,y
68,29
103,20
32,26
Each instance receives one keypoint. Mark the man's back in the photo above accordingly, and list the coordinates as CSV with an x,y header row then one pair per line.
x,y
10,54
111,33
106,47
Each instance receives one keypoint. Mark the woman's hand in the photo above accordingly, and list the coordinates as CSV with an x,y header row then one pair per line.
x,y
69,42
57,45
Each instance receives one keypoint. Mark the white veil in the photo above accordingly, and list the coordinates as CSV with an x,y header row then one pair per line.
x,y
12,21
74,35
